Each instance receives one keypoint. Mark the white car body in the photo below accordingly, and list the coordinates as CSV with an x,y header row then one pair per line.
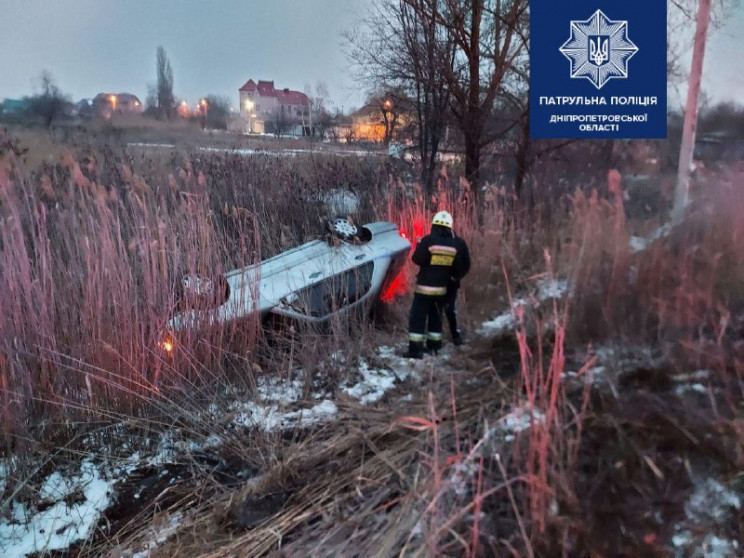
x,y
298,283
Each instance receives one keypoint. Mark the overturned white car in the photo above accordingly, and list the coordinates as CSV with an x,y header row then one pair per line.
x,y
348,272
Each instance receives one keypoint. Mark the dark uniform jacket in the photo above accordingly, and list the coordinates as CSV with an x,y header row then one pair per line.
x,y
443,258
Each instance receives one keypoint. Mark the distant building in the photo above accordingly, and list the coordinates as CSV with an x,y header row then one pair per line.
x,y
371,122
106,105
14,106
265,109
368,124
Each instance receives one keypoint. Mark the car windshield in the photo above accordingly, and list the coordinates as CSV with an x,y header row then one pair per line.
x,y
335,292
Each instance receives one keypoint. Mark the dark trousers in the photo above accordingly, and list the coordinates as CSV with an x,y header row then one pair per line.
x,y
425,319
450,309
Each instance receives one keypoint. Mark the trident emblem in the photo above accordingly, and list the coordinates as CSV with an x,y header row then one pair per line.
x,y
599,49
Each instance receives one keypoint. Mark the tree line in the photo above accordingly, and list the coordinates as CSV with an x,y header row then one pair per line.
x,y
464,64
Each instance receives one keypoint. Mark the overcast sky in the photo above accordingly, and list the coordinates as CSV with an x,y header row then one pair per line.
x,y
92,46
214,46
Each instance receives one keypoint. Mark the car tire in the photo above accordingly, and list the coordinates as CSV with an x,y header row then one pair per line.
x,y
340,227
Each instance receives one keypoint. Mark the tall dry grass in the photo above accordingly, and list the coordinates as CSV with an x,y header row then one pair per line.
x,y
94,245
683,287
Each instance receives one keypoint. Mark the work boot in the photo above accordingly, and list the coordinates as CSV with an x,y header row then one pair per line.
x,y
457,339
433,346
415,350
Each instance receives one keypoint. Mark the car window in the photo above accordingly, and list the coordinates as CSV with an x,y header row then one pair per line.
x,y
337,292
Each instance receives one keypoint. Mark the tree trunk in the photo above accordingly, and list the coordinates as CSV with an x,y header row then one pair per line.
x,y
428,166
522,156
472,163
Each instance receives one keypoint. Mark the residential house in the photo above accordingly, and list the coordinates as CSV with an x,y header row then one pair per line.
x,y
368,124
107,104
381,121
264,109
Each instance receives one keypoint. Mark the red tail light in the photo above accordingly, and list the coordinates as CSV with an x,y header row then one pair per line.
x,y
398,286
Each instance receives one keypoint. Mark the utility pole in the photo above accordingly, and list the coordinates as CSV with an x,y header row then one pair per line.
x,y
682,190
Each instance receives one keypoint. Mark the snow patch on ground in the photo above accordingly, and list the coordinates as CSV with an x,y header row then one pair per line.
x,y
614,361
697,388
711,501
708,506
500,323
691,382
56,486
551,288
159,145
285,152
518,420
279,390
277,396
272,417
376,382
640,243
594,374
169,446
547,289
76,505
696,376
463,474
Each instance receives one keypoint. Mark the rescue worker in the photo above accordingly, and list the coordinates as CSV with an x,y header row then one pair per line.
x,y
450,302
441,256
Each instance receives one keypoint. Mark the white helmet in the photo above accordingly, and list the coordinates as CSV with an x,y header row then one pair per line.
x,y
442,218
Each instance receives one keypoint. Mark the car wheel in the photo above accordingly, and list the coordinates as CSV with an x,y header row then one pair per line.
x,y
342,228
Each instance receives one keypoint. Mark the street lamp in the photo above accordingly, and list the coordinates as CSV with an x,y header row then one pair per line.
x,y
113,100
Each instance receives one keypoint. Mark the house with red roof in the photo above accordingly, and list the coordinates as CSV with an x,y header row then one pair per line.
x,y
264,109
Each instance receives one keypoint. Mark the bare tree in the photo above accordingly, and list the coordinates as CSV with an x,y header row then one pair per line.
x,y
390,115
321,106
217,112
464,52
281,121
164,88
392,105
403,49
50,103
489,37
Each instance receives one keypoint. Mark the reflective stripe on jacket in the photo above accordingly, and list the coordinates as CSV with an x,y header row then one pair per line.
x,y
442,257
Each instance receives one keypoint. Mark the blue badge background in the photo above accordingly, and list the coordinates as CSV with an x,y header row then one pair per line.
x,y
550,71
